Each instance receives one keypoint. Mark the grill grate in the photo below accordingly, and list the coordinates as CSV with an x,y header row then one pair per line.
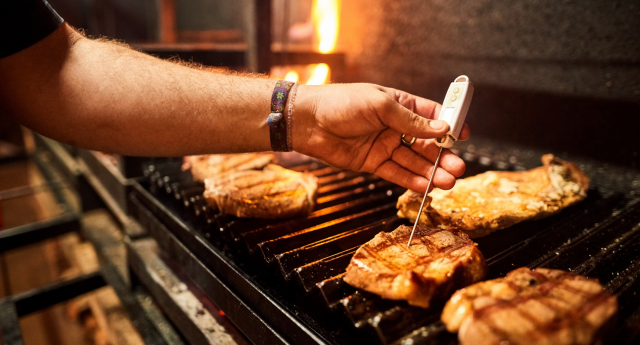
x,y
599,237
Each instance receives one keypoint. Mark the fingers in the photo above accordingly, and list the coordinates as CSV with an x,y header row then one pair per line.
x,y
405,121
449,161
394,173
417,164
464,133
423,107
417,160
409,114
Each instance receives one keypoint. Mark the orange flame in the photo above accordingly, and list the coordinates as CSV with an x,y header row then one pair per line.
x,y
325,16
326,19
320,74
292,76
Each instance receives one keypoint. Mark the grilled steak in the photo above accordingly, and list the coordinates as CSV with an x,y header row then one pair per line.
x,y
204,166
274,192
531,307
494,200
437,262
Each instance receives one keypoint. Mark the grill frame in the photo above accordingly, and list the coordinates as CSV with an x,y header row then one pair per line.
x,y
236,294
207,261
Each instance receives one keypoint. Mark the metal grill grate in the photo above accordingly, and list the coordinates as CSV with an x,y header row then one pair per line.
x,y
599,237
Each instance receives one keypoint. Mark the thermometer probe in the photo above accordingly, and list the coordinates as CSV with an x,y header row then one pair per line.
x,y
454,112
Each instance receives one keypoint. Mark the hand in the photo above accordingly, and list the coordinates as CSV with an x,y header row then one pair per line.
x,y
358,127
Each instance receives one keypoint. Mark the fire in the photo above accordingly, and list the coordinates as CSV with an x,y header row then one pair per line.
x,y
320,74
325,15
292,76
326,19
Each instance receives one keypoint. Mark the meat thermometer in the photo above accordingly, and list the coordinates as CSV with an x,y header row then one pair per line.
x,y
454,112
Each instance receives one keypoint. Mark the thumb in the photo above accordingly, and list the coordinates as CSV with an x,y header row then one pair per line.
x,y
407,122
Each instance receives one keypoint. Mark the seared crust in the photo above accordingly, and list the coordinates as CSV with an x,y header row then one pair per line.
x,y
205,166
532,307
437,262
274,192
495,200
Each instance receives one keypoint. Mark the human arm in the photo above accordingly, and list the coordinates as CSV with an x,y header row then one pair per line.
x,y
103,96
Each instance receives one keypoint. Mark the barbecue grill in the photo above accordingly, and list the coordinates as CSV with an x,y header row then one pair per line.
x,y
280,281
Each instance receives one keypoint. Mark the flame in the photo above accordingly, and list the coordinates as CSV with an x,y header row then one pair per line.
x,y
325,15
320,74
326,19
292,76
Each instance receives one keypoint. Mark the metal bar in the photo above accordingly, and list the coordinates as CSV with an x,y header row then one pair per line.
x,y
263,35
129,227
110,177
235,308
149,331
189,330
44,297
10,333
30,190
156,315
62,156
152,329
35,232
68,168
167,287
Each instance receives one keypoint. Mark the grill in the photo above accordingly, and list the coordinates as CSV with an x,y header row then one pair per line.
x,y
289,272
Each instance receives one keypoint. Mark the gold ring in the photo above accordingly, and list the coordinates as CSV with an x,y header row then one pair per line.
x,y
407,143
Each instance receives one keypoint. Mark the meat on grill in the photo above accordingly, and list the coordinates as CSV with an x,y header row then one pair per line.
x,y
494,200
274,192
204,166
532,307
437,262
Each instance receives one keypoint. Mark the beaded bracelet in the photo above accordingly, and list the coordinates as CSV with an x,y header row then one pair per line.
x,y
276,121
294,89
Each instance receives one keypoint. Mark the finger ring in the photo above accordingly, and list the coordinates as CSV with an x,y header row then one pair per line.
x,y
407,143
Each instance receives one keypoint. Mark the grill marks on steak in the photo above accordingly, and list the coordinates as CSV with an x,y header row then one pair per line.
x,y
532,307
205,166
438,262
495,200
274,192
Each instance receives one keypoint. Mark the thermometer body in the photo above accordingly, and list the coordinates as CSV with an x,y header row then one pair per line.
x,y
454,111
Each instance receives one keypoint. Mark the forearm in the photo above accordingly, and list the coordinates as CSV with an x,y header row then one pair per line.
x,y
99,95
103,96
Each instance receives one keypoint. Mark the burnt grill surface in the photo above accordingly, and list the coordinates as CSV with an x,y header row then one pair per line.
x,y
301,261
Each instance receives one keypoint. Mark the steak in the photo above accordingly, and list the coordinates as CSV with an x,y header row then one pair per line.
x,y
494,200
437,262
204,166
274,192
532,307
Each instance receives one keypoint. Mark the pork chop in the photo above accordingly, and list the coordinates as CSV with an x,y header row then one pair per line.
x,y
274,192
204,166
531,307
437,262
495,200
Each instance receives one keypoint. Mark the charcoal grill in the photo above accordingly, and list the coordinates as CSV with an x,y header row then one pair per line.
x,y
280,281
